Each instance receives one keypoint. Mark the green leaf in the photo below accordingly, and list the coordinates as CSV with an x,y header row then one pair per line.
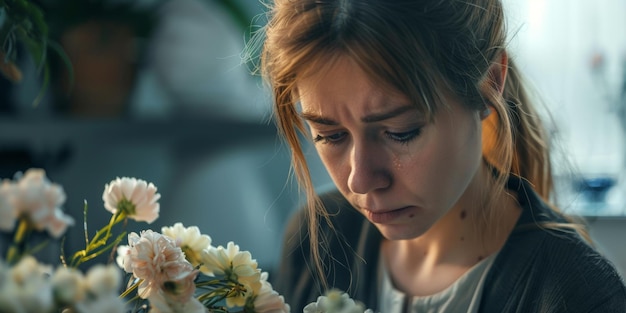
x,y
65,58
44,85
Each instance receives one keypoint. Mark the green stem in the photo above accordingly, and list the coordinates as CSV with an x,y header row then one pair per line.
x,y
130,289
99,239
96,253
215,296
214,282
115,218
22,232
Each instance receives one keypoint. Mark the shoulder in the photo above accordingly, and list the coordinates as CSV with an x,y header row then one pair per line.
x,y
545,265
570,270
565,252
547,270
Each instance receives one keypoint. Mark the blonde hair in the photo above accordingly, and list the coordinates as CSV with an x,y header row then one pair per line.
x,y
420,48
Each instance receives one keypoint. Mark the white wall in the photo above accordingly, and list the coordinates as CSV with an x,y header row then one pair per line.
x,y
555,42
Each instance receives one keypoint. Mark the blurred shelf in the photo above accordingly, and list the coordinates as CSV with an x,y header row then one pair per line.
x,y
108,131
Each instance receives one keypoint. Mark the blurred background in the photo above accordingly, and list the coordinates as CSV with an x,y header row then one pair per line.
x,y
160,90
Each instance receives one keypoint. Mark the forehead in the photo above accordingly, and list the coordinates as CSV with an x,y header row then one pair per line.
x,y
327,75
341,81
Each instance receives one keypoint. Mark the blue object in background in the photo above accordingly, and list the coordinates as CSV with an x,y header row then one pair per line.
x,y
594,189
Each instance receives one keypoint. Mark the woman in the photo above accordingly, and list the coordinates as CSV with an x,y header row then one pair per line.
x,y
440,162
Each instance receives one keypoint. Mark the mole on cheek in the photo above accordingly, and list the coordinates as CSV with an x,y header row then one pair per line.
x,y
411,215
463,214
480,258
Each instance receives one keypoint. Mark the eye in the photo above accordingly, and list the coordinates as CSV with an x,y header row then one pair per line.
x,y
404,137
330,139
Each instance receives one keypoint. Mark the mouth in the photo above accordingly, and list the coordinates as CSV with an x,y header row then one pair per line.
x,y
388,216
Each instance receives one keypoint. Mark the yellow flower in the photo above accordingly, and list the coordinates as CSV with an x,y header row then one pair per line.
x,y
190,240
237,266
268,300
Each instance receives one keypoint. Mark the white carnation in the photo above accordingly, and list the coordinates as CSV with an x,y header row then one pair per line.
x,y
335,301
135,197
103,279
68,285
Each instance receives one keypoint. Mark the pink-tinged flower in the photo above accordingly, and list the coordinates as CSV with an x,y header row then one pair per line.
x,y
8,215
235,265
155,259
268,300
159,303
58,223
134,197
190,240
177,296
40,200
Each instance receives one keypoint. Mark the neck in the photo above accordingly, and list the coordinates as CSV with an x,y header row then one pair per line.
x,y
459,240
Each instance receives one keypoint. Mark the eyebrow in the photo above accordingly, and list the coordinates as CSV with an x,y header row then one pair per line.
x,y
376,117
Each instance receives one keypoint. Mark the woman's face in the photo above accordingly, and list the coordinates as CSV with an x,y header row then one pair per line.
x,y
400,171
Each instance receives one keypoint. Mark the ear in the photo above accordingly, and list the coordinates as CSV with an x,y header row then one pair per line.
x,y
496,74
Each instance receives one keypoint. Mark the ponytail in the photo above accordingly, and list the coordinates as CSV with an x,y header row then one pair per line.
x,y
531,157
518,145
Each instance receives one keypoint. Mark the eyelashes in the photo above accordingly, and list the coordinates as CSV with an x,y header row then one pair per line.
x,y
404,137
401,137
330,139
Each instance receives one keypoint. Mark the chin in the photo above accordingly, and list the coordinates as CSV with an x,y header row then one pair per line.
x,y
397,232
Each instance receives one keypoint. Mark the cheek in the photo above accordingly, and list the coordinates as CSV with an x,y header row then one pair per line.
x,y
421,170
336,166
441,171
459,162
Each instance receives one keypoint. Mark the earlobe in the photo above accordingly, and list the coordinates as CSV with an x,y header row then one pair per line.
x,y
498,71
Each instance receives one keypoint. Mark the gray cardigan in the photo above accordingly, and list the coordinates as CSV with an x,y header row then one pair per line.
x,y
537,270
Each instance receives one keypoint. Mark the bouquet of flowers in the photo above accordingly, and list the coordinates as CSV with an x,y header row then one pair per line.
x,y
175,270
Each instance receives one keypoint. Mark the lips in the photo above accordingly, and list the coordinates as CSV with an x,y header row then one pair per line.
x,y
385,217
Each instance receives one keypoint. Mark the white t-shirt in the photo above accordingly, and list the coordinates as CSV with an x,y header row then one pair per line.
x,y
462,296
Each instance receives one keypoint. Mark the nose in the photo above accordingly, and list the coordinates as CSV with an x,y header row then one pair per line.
x,y
368,171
